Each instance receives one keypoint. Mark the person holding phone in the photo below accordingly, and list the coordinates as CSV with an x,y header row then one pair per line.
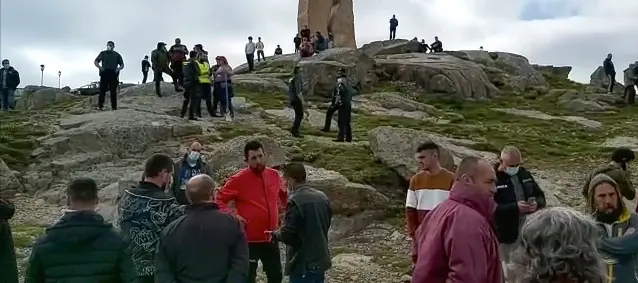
x,y
517,195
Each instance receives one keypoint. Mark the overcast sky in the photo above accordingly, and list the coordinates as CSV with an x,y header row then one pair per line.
x,y
66,35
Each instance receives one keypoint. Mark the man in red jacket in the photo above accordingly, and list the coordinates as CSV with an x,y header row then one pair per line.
x,y
258,194
458,244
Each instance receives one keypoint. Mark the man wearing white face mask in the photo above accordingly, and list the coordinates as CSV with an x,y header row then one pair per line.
x,y
517,195
191,165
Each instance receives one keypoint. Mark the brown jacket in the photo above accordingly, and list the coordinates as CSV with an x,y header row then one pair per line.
x,y
619,175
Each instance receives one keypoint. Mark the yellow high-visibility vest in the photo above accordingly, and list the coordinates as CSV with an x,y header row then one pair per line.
x,y
204,72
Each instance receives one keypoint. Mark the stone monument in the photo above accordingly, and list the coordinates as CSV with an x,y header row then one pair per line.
x,y
335,16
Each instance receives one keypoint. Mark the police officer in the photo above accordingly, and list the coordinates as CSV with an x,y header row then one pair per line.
x,y
191,79
341,73
205,86
343,97
296,101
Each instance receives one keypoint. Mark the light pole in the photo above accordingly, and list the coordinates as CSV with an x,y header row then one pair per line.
x,y
42,75
59,79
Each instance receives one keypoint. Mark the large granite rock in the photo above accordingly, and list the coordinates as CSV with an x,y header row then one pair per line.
x,y
505,69
557,71
329,16
274,64
586,102
396,147
9,183
38,98
438,73
315,118
319,73
390,47
260,83
599,79
230,155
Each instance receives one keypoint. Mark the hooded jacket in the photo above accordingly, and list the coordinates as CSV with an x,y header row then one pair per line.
x,y
620,176
159,58
183,173
630,75
8,266
618,246
143,212
81,247
456,243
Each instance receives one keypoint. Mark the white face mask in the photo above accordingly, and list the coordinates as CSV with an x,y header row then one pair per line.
x,y
341,81
511,170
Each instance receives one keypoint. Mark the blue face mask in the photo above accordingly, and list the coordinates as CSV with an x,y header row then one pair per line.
x,y
193,157
511,170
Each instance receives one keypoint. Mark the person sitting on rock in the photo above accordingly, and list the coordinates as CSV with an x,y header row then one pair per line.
x,y
617,170
305,33
320,43
630,78
517,196
278,50
81,246
159,62
190,165
424,47
437,45
306,48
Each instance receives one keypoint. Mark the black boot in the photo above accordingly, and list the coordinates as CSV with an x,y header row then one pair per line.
x,y
157,89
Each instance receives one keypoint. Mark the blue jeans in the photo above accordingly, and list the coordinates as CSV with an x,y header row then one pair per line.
x,y
308,278
7,99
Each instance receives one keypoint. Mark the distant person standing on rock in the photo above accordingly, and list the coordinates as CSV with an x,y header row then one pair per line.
x,y
177,55
9,81
297,42
81,246
610,72
341,73
250,49
8,264
112,64
159,61
631,79
145,67
205,86
296,101
223,90
394,23
191,84
343,105
260,50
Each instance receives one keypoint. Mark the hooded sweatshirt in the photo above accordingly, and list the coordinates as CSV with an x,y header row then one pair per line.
x,y
620,176
81,247
630,76
619,250
456,242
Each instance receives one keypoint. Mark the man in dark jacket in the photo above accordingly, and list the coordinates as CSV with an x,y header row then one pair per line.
x,y
9,81
296,101
297,42
610,72
437,45
305,229
204,245
159,61
191,82
517,195
177,55
191,165
394,23
81,246
8,266
341,73
145,67
111,64
630,80
343,100
145,211
320,43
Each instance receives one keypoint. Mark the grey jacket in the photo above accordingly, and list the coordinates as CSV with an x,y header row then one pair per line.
x,y
630,75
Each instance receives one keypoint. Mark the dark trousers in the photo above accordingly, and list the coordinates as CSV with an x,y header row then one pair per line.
x,y
630,94
108,81
296,124
146,279
223,94
319,277
268,253
206,95
297,47
7,99
157,78
145,76
178,73
344,121
260,56
190,98
216,103
329,113
250,59
612,82
393,33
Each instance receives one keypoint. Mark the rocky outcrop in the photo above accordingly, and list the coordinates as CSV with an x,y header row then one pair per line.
x,y
396,147
505,69
260,83
557,71
535,114
586,102
599,79
394,104
9,183
389,47
229,156
38,98
336,17
274,64
440,74
316,119
319,73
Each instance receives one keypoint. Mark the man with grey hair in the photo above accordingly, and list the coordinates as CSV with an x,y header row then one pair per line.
x,y
557,244
517,195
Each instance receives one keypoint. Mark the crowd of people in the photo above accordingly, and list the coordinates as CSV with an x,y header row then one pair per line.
x,y
490,222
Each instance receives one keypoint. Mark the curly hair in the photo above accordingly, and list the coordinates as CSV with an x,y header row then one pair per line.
x,y
557,244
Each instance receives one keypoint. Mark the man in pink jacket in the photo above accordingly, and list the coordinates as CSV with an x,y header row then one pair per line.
x,y
458,243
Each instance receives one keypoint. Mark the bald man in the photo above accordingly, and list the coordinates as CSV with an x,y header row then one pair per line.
x,y
517,195
204,245
458,243
190,165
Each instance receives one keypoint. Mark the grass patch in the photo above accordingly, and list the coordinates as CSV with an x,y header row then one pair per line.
x,y
229,131
18,138
354,161
24,236
265,100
